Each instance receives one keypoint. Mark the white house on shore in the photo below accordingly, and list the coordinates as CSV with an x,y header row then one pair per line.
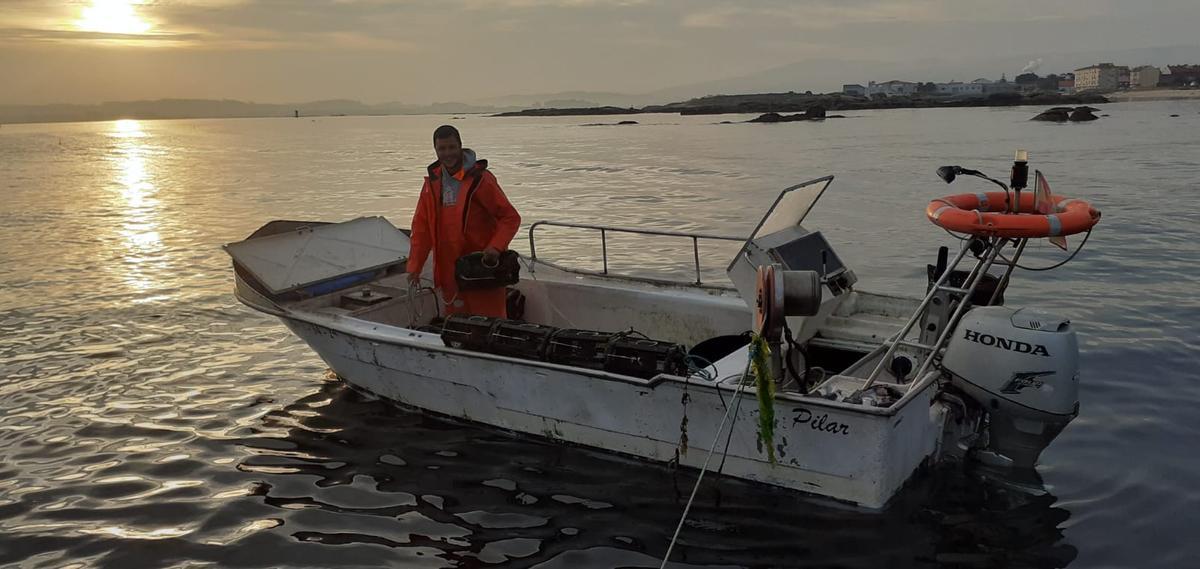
x,y
854,89
977,88
960,89
892,88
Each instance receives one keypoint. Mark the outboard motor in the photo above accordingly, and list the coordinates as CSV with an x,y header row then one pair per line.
x,y
1022,367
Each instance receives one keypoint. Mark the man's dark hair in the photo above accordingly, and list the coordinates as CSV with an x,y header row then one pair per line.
x,y
446,131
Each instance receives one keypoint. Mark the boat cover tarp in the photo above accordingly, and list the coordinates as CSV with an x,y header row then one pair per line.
x,y
287,261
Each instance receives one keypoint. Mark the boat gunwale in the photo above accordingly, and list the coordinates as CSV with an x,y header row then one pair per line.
x,y
356,328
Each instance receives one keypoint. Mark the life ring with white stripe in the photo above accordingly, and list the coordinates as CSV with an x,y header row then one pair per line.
x,y
988,214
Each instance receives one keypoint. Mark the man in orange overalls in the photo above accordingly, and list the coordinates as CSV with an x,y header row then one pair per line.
x,y
461,210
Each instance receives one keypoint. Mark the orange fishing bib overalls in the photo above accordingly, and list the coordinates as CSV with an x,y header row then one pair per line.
x,y
480,216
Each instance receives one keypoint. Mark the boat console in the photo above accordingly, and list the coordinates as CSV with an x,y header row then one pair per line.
x,y
781,239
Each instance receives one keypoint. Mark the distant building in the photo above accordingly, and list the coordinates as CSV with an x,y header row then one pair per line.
x,y
1144,77
1048,83
892,88
1181,76
854,89
1066,84
1101,77
1027,82
1001,86
959,89
978,88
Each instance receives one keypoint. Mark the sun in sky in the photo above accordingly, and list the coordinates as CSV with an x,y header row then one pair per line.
x,y
113,17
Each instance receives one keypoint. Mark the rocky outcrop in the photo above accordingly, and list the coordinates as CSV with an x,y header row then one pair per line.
x,y
620,123
810,105
771,118
570,112
1083,114
816,113
781,103
1057,114
1065,114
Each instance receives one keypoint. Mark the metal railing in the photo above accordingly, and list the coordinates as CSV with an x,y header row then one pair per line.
x,y
605,229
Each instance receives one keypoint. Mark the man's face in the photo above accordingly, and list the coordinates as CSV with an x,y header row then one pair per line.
x,y
449,152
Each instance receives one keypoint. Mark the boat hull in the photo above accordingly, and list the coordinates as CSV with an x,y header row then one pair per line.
x,y
822,447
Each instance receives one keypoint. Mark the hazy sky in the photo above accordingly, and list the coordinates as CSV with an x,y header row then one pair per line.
x,y
420,51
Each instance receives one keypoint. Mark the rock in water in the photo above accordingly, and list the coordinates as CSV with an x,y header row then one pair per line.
x,y
769,117
813,114
1082,114
1057,114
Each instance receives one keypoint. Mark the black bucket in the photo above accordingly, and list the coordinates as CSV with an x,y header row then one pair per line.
x,y
716,348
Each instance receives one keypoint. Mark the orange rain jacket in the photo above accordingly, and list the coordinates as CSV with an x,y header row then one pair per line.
x,y
480,217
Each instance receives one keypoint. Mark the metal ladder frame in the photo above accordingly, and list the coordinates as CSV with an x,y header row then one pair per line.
x,y
994,246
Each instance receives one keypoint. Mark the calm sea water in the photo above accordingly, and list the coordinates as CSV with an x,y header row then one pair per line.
x,y
149,420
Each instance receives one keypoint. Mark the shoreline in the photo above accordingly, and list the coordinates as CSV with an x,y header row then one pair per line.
x,y
762,103
1155,95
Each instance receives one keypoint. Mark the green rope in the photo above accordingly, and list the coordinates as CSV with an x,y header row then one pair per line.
x,y
760,364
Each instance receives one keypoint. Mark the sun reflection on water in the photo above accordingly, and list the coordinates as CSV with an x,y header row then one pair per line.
x,y
144,256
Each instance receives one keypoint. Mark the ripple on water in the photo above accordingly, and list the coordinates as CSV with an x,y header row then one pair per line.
x,y
149,420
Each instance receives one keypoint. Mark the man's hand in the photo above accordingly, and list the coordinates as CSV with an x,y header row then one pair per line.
x,y
414,278
491,257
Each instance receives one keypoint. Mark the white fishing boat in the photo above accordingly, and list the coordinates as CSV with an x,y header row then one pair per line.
x,y
868,386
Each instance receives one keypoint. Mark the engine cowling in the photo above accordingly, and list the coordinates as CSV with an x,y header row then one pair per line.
x,y
1022,367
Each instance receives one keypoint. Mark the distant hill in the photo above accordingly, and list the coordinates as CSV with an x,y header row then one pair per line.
x,y
817,75
564,99
205,108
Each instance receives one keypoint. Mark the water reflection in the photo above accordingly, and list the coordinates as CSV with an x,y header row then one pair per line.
x,y
350,472
144,255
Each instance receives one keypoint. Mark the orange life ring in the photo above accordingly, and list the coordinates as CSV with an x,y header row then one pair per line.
x,y
986,214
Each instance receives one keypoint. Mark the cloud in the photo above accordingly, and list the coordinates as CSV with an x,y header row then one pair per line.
x,y
507,4
51,35
713,18
469,49
826,14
